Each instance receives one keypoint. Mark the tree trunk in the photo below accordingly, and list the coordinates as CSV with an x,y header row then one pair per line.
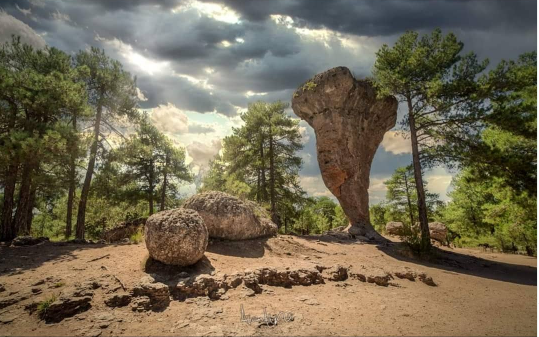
x,y
8,231
408,199
421,203
273,210
72,185
81,214
10,181
151,188
164,188
264,193
21,214
258,185
30,210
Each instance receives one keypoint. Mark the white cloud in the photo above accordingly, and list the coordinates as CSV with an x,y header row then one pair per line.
x,y
314,186
201,153
250,93
305,137
212,10
439,181
140,95
11,26
396,143
143,63
26,12
60,16
169,119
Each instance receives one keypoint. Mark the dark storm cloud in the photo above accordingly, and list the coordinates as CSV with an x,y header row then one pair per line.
x,y
388,17
266,59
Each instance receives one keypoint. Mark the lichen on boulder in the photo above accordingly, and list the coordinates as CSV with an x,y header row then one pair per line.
x,y
176,237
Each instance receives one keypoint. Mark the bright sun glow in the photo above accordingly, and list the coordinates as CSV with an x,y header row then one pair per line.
x,y
213,10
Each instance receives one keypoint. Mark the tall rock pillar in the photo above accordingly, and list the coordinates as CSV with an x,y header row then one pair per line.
x,y
349,121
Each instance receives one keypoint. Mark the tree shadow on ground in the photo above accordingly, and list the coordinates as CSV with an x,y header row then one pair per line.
x,y
453,262
17,260
254,248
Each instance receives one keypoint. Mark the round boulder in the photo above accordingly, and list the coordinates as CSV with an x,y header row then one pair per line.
x,y
395,228
231,218
438,231
176,237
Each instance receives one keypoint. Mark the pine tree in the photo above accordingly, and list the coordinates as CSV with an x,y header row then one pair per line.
x,y
112,93
442,93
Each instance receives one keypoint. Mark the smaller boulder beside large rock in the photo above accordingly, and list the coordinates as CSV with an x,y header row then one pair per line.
x,y
438,231
395,228
231,218
176,237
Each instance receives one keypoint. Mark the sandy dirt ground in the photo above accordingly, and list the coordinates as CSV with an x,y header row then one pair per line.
x,y
477,292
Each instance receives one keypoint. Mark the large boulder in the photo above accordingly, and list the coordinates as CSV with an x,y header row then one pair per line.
x,y
438,231
395,228
231,218
349,121
176,236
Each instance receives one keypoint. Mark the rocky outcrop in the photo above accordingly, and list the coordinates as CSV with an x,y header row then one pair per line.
x,y
71,302
176,237
349,121
395,228
231,218
123,230
158,293
118,300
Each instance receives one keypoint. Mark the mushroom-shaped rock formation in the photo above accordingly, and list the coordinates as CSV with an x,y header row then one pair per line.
x,y
349,121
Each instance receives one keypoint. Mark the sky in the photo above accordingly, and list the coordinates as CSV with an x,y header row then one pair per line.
x,y
200,63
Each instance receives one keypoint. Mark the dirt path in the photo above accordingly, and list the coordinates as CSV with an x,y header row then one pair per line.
x,y
477,293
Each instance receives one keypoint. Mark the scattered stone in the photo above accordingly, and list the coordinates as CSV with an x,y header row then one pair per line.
x,y
349,121
31,307
177,237
231,218
359,277
28,241
427,280
36,291
104,319
2,288
140,304
118,300
406,275
70,303
12,299
203,285
379,280
337,273
248,292
157,292
7,318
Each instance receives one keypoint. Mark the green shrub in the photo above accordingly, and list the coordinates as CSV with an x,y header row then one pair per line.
x,y
43,306
136,237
